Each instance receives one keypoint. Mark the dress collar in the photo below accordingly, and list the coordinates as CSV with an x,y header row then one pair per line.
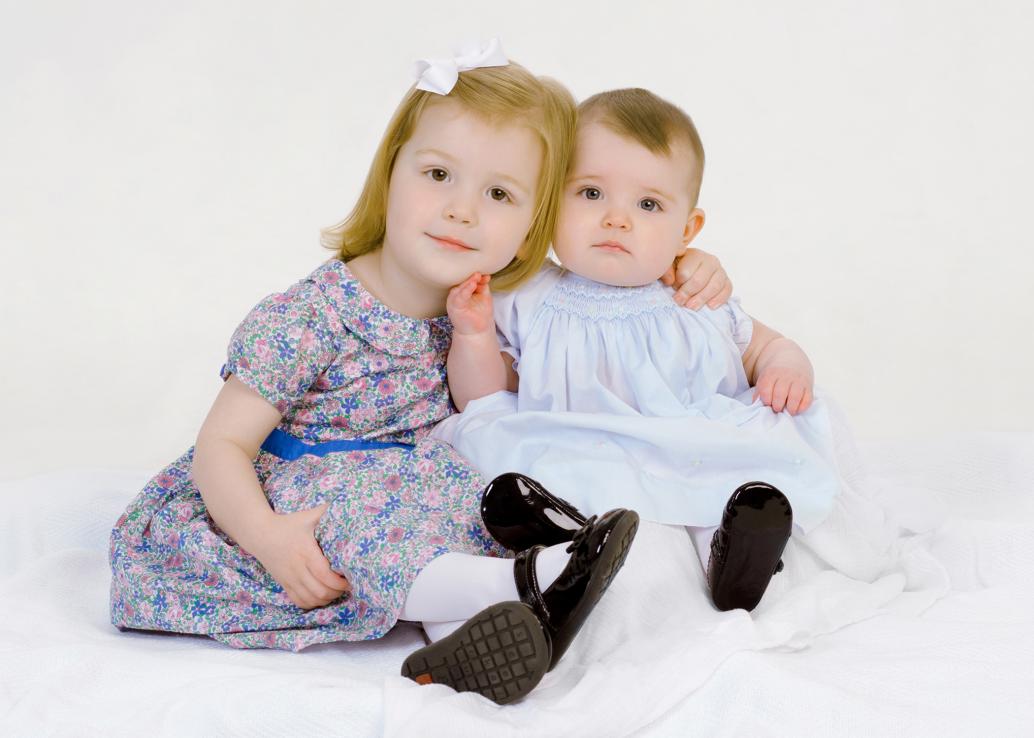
x,y
372,320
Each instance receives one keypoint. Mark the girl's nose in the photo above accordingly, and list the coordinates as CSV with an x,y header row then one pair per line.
x,y
459,212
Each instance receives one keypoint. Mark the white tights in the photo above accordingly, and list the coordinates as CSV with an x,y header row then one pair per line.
x,y
456,586
701,538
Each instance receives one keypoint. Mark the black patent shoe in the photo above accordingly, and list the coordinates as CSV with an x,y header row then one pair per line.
x,y
520,513
745,549
501,653
598,551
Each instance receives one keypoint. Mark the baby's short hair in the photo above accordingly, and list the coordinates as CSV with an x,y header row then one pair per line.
x,y
648,120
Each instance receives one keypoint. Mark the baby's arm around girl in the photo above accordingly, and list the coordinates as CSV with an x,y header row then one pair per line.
x,y
227,444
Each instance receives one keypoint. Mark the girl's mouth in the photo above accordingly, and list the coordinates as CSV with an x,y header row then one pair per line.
x,y
453,244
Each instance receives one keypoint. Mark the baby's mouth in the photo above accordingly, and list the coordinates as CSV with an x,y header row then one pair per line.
x,y
611,246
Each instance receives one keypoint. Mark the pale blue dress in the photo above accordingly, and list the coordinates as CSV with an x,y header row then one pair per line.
x,y
627,400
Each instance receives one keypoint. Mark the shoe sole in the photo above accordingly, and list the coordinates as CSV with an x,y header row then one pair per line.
x,y
501,653
756,538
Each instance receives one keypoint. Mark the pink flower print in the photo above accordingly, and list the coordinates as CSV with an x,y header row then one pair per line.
x,y
425,466
130,611
165,481
281,297
394,558
386,387
436,540
355,456
211,580
324,615
420,408
330,277
425,385
432,497
307,341
174,562
385,330
327,482
393,483
372,509
339,421
262,350
428,359
350,368
366,301
243,598
378,364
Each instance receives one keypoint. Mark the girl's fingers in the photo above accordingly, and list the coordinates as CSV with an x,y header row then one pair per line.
x,y
723,294
319,567
710,291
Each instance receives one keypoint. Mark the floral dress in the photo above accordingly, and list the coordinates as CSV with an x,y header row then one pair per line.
x,y
359,388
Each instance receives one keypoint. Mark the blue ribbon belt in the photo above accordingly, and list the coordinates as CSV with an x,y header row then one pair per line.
x,y
289,448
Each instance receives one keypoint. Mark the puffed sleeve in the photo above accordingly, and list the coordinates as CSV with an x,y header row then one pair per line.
x,y
514,310
283,345
732,321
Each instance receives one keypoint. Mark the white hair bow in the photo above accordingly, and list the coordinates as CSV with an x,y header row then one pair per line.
x,y
439,75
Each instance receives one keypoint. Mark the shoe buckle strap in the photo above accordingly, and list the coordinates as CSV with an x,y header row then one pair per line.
x,y
526,578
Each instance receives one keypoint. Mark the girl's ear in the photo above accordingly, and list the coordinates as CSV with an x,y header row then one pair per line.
x,y
694,223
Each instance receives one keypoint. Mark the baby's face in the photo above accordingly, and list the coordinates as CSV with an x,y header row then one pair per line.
x,y
625,210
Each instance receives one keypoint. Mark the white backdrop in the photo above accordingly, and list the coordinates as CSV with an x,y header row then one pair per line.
x,y
165,165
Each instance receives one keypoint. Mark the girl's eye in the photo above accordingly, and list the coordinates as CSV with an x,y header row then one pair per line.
x,y
650,205
590,193
437,174
499,194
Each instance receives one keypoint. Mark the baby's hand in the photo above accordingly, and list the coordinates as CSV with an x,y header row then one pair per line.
x,y
698,278
470,305
295,560
786,384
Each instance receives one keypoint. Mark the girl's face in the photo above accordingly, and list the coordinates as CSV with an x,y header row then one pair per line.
x,y
625,212
461,195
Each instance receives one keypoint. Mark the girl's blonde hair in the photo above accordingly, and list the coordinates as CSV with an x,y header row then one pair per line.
x,y
505,95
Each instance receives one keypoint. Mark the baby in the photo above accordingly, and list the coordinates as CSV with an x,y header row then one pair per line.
x,y
610,393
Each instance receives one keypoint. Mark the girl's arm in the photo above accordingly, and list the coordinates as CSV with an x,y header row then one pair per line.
x,y
779,370
475,366
227,444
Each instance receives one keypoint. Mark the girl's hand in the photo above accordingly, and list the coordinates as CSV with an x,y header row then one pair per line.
x,y
293,558
469,305
786,384
698,278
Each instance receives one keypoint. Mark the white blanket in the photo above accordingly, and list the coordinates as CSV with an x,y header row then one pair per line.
x,y
908,613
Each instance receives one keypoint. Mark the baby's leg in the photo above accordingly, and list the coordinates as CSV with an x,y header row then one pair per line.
x,y
701,538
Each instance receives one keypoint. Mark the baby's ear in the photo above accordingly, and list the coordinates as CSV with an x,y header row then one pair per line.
x,y
694,223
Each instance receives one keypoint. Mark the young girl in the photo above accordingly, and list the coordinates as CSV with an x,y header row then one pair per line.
x,y
622,397
315,506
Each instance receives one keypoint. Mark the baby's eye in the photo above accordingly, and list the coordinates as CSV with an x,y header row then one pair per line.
x,y
590,193
649,204
437,174
499,194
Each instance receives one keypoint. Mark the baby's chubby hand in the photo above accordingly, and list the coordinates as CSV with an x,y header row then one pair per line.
x,y
786,384
469,306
